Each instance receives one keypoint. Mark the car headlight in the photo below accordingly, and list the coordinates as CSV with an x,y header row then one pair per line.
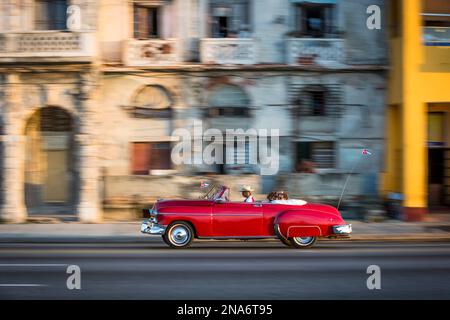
x,y
153,214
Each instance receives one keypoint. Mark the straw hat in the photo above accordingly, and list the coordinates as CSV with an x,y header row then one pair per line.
x,y
246,188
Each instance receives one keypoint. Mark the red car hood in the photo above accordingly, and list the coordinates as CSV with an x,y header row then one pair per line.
x,y
181,203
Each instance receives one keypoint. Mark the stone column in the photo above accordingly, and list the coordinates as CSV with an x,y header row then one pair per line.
x,y
89,207
13,152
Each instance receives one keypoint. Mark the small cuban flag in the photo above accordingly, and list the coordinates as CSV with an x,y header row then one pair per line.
x,y
366,152
204,185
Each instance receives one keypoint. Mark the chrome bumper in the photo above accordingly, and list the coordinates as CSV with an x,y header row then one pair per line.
x,y
342,229
152,228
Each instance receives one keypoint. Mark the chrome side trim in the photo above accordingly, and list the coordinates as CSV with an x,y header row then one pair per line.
x,y
183,214
209,214
236,214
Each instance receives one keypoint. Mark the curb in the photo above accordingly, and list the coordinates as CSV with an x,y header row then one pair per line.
x,y
146,239
407,237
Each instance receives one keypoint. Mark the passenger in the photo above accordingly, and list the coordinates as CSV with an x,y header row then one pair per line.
x,y
282,197
277,195
247,193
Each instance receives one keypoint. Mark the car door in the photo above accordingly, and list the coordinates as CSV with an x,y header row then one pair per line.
x,y
237,219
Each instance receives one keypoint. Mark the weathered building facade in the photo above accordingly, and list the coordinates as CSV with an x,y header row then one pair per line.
x,y
88,115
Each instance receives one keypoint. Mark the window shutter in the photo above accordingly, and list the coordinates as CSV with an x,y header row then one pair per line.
x,y
323,154
140,157
160,156
41,15
141,22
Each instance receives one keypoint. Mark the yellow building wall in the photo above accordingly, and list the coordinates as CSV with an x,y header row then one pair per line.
x,y
419,75
395,79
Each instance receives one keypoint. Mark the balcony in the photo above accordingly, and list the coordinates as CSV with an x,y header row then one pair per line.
x,y
315,51
141,53
46,46
228,51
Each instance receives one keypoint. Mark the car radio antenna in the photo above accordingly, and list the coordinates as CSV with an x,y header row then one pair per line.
x,y
364,152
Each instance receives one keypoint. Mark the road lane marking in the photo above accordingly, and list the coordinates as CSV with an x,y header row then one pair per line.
x,y
29,265
22,285
32,265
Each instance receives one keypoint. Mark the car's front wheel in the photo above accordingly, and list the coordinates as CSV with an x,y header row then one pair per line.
x,y
179,235
303,242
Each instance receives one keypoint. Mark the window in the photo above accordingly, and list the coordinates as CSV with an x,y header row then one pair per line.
x,y
321,154
436,22
151,102
317,102
230,18
50,14
146,22
436,129
315,19
241,152
436,13
228,112
228,101
313,101
147,156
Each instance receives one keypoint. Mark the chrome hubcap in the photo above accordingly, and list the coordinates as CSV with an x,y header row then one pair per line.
x,y
304,240
179,235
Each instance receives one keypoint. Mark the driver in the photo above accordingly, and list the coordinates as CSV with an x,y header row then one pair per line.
x,y
247,193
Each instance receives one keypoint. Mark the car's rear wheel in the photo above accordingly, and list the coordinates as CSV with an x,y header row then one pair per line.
x,y
179,235
302,242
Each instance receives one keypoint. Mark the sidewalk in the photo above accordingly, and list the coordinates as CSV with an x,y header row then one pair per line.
x,y
435,228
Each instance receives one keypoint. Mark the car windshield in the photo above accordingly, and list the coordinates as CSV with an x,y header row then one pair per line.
x,y
211,192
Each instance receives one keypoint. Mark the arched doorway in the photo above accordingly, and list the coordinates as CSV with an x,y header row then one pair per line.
x,y
49,162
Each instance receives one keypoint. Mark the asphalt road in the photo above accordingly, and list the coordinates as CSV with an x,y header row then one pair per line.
x,y
225,270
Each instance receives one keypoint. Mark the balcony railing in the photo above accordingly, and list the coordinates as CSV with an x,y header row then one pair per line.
x,y
314,51
436,36
47,44
141,53
228,51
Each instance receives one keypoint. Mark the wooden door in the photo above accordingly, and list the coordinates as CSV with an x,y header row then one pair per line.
x,y
55,179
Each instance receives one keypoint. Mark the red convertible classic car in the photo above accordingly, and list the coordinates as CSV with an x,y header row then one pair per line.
x,y
294,222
